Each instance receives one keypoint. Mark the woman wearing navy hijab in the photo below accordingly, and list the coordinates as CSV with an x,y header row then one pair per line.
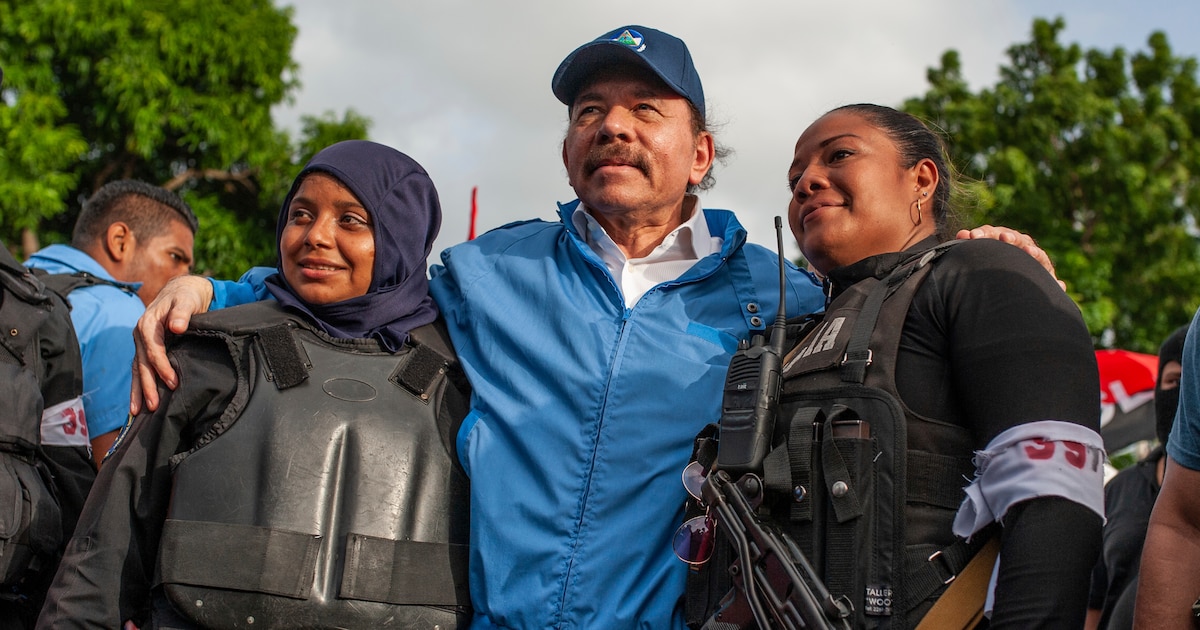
x,y
303,473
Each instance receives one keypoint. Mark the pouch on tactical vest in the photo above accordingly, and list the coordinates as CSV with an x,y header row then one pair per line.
x,y
328,496
30,516
841,480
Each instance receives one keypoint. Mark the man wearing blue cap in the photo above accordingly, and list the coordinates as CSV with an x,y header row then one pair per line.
x,y
597,348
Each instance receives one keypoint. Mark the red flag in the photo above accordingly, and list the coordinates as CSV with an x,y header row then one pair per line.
x,y
474,212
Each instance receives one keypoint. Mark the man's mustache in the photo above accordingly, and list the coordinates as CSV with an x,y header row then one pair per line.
x,y
610,153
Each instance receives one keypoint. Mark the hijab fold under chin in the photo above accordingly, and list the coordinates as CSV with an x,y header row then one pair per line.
x,y
406,216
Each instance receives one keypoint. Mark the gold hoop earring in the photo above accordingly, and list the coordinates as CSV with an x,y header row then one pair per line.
x,y
918,219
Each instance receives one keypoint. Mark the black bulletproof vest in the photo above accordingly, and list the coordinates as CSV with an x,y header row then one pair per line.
x,y
25,306
332,499
841,480
30,515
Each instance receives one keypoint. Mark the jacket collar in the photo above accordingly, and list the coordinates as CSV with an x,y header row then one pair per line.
x,y
721,223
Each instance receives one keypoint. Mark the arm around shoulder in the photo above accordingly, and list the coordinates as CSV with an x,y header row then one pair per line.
x,y
179,300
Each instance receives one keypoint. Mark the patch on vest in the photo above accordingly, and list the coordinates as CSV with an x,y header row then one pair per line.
x,y
823,339
878,602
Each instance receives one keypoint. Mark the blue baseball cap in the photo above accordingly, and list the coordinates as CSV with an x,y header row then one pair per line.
x,y
661,52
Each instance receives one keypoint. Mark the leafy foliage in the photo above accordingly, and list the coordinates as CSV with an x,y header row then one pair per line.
x,y
174,93
1094,153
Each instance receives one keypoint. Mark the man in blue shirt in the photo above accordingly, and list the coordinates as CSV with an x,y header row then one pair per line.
x,y
133,238
1169,581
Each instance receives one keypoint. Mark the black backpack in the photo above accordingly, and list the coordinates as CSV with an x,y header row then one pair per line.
x,y
40,367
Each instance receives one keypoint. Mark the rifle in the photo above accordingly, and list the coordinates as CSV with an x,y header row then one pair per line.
x,y
774,584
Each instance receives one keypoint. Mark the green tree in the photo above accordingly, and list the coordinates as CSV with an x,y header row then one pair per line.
x,y
174,93
1094,154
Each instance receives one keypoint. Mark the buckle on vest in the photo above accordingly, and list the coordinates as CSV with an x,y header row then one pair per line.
x,y
944,563
869,359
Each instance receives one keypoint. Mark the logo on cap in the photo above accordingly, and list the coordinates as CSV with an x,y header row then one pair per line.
x,y
632,39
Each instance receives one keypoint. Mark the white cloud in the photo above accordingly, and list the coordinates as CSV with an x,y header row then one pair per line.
x,y
464,86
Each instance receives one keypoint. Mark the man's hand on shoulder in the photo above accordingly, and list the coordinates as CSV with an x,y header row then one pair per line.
x,y
1020,239
172,310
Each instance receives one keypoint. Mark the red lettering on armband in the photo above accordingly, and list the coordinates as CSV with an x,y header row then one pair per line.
x,y
1076,454
1037,448
74,420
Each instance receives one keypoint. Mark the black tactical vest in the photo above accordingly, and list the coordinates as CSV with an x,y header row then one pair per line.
x,y
866,509
329,495
39,364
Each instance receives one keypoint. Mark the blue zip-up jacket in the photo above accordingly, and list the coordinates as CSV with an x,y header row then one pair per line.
x,y
584,412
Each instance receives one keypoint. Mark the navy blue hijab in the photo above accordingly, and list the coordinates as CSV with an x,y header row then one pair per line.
x,y
406,216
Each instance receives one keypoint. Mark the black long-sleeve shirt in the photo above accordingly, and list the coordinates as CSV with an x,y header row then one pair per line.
x,y
991,342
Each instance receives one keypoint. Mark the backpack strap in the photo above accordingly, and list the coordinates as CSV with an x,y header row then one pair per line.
x,y
64,283
858,354
961,606
22,283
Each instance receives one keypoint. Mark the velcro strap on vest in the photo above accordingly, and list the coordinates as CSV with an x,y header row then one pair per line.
x,y
255,559
777,471
841,544
420,370
286,365
799,447
846,507
404,572
858,353
938,480
842,556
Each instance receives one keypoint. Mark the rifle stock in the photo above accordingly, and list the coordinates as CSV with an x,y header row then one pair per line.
x,y
774,584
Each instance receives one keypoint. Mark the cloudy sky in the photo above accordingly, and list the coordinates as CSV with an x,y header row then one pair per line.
x,y
464,86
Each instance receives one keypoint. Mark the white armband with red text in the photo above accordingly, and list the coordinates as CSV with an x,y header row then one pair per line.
x,y
1036,459
65,425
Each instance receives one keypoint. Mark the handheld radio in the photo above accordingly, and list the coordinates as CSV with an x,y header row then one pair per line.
x,y
751,397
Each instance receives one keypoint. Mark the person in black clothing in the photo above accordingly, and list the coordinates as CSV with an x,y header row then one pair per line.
x,y
303,473
994,363
1128,501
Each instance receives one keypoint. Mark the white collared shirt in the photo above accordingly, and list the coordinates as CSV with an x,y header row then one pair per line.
x,y
681,248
